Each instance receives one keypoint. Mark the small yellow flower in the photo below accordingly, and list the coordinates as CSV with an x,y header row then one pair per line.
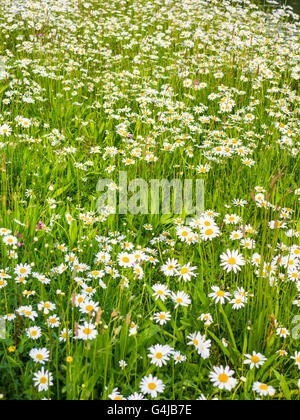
x,y
12,349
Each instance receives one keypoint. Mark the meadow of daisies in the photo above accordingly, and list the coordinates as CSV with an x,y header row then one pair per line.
x,y
102,306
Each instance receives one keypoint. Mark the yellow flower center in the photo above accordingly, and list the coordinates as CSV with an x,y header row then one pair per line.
x,y
223,378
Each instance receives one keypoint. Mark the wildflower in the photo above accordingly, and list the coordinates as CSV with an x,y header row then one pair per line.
x,y
53,321
46,307
296,357
207,319
186,272
282,332
282,352
160,292
69,218
184,233
159,354
5,130
10,240
89,307
133,329
180,299
43,379
201,344
224,342
209,233
40,355
263,389
232,260
219,296
162,317
238,302
87,332
255,360
136,397
122,364
232,219
64,335
4,232
178,357
170,268
125,260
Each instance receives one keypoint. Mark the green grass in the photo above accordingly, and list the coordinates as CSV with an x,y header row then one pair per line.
x,y
122,61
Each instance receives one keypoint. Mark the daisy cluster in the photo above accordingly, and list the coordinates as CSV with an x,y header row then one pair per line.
x,y
117,262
